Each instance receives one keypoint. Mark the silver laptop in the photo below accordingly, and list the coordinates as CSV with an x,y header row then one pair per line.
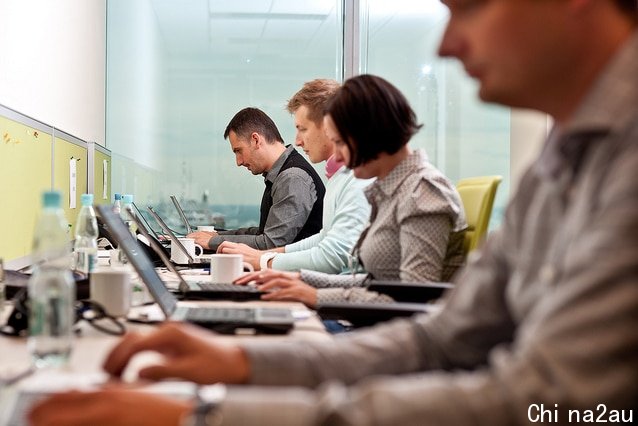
x,y
227,320
143,223
182,215
202,260
200,290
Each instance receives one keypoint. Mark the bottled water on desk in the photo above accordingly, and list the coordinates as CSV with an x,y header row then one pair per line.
x,y
117,204
86,233
51,288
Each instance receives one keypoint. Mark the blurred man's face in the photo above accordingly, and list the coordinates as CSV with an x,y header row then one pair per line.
x,y
509,46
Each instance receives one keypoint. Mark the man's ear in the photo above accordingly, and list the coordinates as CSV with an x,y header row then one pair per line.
x,y
256,137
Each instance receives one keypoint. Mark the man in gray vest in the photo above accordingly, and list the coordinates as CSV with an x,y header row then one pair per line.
x,y
292,204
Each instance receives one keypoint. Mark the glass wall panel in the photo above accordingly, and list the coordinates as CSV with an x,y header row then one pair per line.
x,y
461,135
177,71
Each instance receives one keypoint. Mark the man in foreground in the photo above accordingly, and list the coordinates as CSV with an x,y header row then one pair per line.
x,y
543,318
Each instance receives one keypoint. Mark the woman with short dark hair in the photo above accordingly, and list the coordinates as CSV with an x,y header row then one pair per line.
x,y
417,223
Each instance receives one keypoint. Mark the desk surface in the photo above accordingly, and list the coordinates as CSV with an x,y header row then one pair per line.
x,y
92,346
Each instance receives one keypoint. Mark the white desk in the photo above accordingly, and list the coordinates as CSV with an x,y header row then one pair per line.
x,y
92,346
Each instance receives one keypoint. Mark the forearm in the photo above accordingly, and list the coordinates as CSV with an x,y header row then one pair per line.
x,y
305,244
327,252
392,348
350,295
321,258
259,241
413,400
322,280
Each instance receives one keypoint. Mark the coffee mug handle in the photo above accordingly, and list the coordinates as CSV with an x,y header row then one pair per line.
x,y
201,250
249,267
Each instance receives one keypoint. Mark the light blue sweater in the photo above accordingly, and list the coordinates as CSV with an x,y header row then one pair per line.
x,y
345,213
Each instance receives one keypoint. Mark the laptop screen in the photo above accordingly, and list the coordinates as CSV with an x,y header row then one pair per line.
x,y
189,228
158,249
139,259
171,235
143,222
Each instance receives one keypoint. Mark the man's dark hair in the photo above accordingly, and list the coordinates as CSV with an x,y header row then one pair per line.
x,y
250,120
372,116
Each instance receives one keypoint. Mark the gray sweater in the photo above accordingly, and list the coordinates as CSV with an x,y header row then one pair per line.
x,y
543,317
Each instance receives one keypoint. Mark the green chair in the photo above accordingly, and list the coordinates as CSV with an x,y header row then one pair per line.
x,y
477,195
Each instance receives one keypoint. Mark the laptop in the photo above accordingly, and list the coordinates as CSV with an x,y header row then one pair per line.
x,y
203,260
189,228
143,223
202,289
227,320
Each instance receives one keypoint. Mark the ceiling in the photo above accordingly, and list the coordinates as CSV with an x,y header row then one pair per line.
x,y
249,27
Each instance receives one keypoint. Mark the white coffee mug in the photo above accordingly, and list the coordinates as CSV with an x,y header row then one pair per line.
x,y
179,257
111,288
206,228
226,268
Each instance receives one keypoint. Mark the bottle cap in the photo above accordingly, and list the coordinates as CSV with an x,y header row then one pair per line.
x,y
86,199
127,198
118,197
51,199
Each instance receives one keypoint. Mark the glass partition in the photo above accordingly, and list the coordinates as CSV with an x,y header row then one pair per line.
x,y
176,74
178,71
461,135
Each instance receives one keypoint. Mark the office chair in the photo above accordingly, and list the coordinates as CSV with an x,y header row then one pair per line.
x,y
477,195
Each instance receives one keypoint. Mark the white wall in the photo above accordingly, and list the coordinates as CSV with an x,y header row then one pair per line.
x,y
53,63
527,133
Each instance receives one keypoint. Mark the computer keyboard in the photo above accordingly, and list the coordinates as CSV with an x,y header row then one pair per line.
x,y
221,315
226,287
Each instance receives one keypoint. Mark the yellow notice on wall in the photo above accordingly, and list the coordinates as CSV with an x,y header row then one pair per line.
x,y
65,152
25,172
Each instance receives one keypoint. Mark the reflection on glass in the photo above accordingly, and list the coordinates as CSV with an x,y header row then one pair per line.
x,y
462,136
176,74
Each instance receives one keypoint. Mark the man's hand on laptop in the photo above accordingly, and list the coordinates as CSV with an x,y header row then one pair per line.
x,y
202,237
191,353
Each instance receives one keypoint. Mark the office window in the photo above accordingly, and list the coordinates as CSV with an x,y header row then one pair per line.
x,y
462,136
177,71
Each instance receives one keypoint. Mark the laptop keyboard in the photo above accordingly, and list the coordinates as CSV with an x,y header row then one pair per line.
x,y
226,287
220,315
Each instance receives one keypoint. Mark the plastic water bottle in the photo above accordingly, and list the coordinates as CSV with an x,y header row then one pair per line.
x,y
86,233
117,204
51,288
127,205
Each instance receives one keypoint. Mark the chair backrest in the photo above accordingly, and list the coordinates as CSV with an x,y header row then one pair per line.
x,y
477,195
